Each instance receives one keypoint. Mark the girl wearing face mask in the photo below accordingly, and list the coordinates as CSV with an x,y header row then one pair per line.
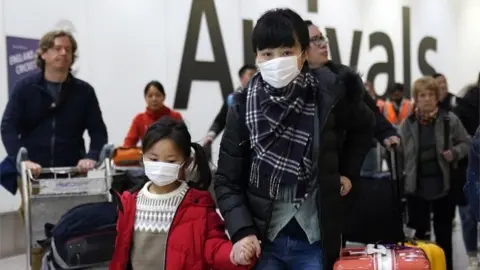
x,y
170,223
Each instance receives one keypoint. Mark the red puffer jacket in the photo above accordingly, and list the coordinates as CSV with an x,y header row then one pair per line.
x,y
196,240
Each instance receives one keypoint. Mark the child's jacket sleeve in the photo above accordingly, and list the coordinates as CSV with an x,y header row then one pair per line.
x,y
217,245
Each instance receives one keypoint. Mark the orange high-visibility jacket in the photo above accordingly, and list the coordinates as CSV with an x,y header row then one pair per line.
x,y
391,114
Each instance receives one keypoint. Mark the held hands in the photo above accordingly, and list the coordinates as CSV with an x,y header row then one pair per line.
x,y
244,251
345,185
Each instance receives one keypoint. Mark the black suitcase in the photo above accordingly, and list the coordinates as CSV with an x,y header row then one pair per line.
x,y
373,214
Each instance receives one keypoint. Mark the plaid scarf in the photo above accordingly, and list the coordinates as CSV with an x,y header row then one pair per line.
x,y
425,118
280,122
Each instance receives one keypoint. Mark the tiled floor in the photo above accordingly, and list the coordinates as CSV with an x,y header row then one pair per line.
x,y
460,259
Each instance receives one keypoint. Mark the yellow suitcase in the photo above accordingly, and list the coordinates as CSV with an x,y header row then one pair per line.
x,y
434,253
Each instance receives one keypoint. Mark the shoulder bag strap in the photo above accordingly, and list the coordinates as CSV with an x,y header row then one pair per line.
x,y
446,132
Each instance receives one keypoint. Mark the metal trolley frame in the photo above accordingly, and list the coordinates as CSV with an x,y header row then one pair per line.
x,y
45,200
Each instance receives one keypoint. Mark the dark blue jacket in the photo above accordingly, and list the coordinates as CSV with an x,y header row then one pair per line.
x,y
53,131
472,186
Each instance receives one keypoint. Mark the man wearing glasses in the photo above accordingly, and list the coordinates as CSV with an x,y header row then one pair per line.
x,y
318,61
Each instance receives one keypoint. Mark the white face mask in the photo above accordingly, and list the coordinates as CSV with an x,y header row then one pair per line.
x,y
161,173
279,72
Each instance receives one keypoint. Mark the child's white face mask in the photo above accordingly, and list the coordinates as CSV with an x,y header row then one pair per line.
x,y
161,173
281,71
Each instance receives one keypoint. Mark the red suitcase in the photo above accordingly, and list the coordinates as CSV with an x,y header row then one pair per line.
x,y
382,258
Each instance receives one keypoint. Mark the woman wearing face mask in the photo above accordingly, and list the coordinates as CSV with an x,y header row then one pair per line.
x,y
169,223
291,150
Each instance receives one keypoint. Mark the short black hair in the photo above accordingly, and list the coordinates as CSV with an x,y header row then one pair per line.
x,y
244,69
436,75
396,87
279,28
308,23
155,84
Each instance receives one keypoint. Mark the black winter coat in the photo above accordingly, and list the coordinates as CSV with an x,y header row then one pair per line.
x,y
345,131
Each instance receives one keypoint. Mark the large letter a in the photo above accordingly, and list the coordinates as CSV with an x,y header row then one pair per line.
x,y
191,69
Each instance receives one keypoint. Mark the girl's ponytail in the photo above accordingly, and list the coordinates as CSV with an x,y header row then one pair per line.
x,y
201,169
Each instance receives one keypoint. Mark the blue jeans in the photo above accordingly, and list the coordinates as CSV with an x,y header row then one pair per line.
x,y
470,230
286,253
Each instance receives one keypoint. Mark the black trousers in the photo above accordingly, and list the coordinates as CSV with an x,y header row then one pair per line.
x,y
443,209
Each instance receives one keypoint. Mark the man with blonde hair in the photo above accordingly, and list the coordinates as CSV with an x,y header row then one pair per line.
x,y
48,113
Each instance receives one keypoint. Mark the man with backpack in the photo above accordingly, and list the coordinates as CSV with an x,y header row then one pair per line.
x,y
48,113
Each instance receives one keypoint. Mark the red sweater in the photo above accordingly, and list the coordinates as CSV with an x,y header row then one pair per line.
x,y
196,239
143,120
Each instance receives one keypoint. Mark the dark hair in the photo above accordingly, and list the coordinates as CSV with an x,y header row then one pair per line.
x,y
244,69
436,75
177,131
155,84
396,87
279,28
308,23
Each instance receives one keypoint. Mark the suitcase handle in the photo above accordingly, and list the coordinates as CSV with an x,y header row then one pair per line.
x,y
399,201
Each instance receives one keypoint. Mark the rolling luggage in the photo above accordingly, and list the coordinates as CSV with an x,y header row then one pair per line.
x,y
434,253
402,253
372,214
382,258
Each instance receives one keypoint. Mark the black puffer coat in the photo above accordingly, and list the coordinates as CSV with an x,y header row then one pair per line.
x,y
345,132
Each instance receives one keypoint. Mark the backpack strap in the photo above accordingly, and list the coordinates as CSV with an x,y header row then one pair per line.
x,y
446,132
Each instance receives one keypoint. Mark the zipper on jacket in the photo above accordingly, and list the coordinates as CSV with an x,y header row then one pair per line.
x,y
52,139
52,142
170,229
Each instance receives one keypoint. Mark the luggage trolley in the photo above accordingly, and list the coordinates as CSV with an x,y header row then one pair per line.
x,y
124,177
45,200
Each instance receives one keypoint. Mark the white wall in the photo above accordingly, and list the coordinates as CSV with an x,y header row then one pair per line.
x,y
124,43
